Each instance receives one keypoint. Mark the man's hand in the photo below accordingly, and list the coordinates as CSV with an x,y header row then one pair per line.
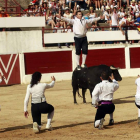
x,y
53,78
97,105
138,76
26,114
112,77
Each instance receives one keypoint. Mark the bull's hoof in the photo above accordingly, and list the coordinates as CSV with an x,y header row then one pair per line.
x,y
84,103
76,103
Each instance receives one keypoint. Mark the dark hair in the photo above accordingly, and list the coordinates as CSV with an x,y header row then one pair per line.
x,y
105,75
35,78
78,12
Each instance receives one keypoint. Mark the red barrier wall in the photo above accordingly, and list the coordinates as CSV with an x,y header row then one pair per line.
x,y
108,57
9,67
135,57
48,62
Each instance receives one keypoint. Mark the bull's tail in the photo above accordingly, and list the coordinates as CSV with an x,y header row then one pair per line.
x,y
79,95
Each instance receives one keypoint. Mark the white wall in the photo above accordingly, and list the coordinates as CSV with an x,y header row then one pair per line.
x,y
133,35
92,36
68,75
15,22
16,42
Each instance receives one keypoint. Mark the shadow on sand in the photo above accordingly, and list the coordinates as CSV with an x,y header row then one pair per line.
x,y
64,126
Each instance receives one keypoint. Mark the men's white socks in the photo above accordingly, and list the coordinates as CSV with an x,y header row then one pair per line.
x,y
84,56
97,123
77,59
50,117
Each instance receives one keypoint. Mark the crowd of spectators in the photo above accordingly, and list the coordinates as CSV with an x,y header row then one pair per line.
x,y
116,13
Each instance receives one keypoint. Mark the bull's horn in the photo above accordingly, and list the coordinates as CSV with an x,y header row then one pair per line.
x,y
113,68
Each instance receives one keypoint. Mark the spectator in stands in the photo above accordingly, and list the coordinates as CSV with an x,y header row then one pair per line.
x,y
30,9
139,3
121,13
50,4
137,12
94,27
97,4
86,16
2,13
37,9
50,19
134,8
109,2
92,14
104,6
44,8
107,15
114,18
68,2
114,5
87,4
67,13
62,4
124,21
54,5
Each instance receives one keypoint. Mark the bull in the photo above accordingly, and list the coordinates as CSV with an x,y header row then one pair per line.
x,y
87,78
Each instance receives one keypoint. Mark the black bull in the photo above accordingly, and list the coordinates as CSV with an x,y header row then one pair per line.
x,y
88,78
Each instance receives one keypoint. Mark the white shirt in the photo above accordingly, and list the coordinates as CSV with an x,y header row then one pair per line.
x,y
68,15
121,14
92,16
37,92
106,15
135,7
79,26
114,19
113,6
122,20
137,96
103,8
0,80
104,91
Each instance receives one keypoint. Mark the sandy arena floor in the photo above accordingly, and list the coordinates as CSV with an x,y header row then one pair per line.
x,y
71,122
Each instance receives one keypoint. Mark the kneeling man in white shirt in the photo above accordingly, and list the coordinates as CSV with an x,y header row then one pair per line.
x,y
102,97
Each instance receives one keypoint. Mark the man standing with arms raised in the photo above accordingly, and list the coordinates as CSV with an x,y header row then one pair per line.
x,y
79,29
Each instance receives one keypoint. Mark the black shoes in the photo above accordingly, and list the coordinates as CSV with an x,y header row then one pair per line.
x,y
111,122
78,67
84,66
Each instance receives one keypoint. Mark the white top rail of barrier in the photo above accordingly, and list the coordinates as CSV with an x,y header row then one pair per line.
x,y
16,22
92,36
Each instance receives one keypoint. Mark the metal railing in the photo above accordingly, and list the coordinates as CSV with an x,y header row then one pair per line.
x,y
6,4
